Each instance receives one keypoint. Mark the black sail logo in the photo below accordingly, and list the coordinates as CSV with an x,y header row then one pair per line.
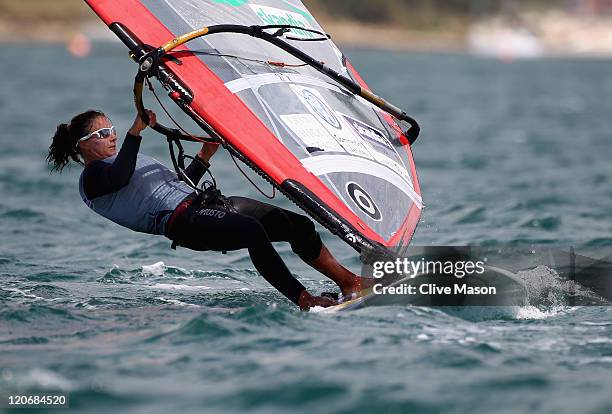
x,y
363,200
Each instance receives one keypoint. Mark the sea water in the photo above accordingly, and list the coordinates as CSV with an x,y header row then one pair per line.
x,y
511,153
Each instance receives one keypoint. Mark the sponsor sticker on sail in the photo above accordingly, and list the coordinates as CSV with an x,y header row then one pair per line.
x,y
273,16
331,121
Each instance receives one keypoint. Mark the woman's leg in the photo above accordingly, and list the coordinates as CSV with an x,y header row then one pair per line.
x,y
219,230
299,231
348,282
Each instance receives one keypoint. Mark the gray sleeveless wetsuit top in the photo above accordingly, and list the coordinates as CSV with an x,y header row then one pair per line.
x,y
146,203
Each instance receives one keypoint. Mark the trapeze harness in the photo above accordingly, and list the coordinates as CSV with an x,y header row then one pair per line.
x,y
138,192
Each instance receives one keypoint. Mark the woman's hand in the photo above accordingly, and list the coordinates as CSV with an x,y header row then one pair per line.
x,y
308,301
139,125
207,151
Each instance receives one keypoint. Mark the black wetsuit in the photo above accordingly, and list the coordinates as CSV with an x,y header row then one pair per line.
x,y
221,224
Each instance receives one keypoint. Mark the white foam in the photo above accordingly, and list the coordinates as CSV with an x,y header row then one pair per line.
x,y
546,287
85,305
596,361
177,302
596,323
156,269
43,378
23,293
188,288
531,312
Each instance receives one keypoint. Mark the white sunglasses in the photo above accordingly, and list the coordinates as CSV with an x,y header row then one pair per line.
x,y
101,133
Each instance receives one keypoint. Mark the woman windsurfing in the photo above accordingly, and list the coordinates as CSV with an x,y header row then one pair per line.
x,y
138,192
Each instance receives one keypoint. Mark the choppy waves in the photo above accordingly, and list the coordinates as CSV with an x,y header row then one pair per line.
x,y
122,323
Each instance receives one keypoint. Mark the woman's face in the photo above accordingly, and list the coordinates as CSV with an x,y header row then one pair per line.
x,y
97,147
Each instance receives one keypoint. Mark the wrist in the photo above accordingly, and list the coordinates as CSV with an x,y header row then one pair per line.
x,y
134,132
202,156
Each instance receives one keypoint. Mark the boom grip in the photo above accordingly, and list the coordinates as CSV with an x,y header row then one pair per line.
x,y
138,87
147,64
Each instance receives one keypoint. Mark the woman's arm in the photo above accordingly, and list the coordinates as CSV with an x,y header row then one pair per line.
x,y
101,179
198,167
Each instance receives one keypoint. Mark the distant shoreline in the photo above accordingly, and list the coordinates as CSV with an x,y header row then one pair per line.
x,y
551,34
349,34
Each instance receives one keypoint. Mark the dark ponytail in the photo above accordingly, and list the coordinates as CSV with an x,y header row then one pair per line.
x,y
64,145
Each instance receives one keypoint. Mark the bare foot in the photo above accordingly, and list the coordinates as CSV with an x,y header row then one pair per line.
x,y
357,286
